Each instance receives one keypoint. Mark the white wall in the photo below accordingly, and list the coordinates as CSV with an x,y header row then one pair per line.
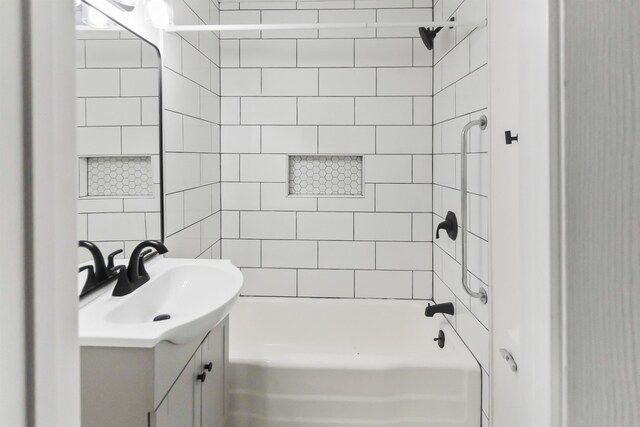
x,y
13,384
39,351
461,95
342,91
361,92
192,134
602,201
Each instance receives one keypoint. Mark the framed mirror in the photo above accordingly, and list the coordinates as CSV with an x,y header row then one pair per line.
x,y
119,135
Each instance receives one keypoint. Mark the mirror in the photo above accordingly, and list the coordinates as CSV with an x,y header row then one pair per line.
x,y
119,133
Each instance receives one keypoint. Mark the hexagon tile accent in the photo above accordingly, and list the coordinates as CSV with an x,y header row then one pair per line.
x,y
119,176
325,175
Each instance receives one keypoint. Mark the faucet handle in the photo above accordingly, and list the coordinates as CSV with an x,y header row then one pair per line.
x,y
143,256
145,253
89,267
90,282
100,269
112,255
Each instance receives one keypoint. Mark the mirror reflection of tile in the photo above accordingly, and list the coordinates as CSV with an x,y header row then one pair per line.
x,y
120,176
118,134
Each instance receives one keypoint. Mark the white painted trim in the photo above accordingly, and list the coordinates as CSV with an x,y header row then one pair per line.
x,y
541,180
559,371
51,232
536,386
13,384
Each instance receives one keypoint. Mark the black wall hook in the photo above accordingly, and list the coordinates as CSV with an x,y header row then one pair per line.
x,y
509,138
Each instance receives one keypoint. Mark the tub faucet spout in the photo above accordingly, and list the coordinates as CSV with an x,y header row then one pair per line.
x,y
444,308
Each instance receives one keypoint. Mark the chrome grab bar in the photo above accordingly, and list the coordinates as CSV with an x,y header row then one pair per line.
x,y
482,123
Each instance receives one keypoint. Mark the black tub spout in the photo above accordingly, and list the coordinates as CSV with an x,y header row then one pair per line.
x,y
444,308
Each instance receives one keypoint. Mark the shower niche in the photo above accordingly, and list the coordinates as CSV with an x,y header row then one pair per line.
x,y
117,176
325,175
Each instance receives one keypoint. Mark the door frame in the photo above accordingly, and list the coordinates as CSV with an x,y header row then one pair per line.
x,y
540,365
40,146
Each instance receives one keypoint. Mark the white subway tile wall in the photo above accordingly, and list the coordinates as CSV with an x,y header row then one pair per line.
x,y
460,87
359,95
192,140
258,97
117,77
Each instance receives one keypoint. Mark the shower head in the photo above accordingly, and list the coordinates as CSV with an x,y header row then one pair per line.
x,y
427,36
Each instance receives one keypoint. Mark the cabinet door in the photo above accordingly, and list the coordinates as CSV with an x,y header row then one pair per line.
x,y
213,389
181,405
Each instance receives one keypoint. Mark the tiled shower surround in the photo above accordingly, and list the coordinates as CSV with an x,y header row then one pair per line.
x,y
460,86
191,86
335,92
373,93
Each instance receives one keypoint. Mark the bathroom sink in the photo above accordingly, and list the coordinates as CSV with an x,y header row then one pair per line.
x,y
183,300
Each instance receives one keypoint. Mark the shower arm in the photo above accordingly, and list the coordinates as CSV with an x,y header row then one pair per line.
x,y
324,26
482,123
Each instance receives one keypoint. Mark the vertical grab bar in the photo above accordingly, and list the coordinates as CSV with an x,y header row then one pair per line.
x,y
482,123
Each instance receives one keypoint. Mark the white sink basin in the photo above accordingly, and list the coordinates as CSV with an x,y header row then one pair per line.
x,y
196,294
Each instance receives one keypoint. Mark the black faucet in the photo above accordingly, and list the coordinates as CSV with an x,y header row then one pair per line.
x,y
98,274
450,224
135,275
444,308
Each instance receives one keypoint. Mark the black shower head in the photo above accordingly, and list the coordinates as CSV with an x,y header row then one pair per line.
x,y
427,37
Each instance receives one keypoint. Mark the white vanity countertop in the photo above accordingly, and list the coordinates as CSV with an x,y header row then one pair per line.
x,y
196,294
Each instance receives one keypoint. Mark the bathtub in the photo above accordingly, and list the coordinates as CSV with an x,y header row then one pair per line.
x,y
347,362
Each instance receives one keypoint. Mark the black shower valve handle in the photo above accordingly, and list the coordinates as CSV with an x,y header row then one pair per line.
x,y
450,225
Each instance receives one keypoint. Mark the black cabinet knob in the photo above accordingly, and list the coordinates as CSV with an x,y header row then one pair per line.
x,y
202,377
209,366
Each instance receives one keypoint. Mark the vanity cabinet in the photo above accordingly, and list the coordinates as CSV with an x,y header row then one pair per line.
x,y
165,386
197,397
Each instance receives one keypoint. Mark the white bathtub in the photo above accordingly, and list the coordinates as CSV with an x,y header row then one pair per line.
x,y
331,362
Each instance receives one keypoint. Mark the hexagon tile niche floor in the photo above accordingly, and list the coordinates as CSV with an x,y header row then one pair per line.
x,y
325,175
120,176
